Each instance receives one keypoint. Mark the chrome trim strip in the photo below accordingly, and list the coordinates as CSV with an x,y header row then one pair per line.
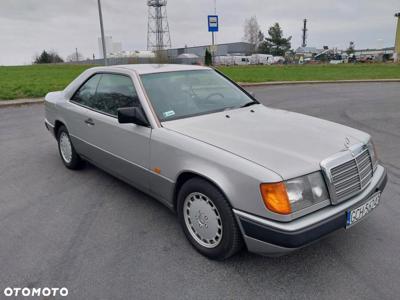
x,y
358,169
48,123
346,179
344,171
347,188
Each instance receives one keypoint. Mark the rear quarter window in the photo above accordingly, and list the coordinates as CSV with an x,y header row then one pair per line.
x,y
85,94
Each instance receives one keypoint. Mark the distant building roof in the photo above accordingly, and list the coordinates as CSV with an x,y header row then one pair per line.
x,y
218,45
221,49
387,50
301,50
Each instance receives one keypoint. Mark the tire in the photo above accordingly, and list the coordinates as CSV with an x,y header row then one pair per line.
x,y
207,220
68,155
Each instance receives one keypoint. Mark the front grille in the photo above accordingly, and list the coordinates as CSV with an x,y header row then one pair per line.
x,y
351,177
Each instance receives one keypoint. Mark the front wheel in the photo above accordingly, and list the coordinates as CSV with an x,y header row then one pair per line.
x,y
207,220
69,157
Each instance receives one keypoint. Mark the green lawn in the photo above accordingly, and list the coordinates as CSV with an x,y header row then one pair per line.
x,y
312,72
37,80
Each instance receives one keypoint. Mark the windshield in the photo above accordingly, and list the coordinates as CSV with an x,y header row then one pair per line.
x,y
182,94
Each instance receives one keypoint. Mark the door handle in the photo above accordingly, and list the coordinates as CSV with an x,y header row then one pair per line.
x,y
89,121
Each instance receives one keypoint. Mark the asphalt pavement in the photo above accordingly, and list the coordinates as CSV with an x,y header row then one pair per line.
x,y
103,239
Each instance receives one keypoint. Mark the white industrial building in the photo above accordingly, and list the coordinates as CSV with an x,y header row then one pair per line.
x,y
111,47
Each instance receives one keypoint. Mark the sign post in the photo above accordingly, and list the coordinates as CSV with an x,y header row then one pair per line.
x,y
213,27
396,55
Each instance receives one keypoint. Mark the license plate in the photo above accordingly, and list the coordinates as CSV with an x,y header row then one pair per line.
x,y
358,213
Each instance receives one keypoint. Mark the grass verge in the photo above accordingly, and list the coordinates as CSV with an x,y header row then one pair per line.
x,y
312,72
37,80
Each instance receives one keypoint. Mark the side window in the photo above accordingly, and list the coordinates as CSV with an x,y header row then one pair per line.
x,y
113,92
85,94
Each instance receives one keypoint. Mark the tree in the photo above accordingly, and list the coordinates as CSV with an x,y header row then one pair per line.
x,y
76,56
275,44
351,48
264,47
48,57
252,31
208,58
260,36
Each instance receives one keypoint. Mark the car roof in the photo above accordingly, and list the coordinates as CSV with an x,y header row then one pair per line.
x,y
155,68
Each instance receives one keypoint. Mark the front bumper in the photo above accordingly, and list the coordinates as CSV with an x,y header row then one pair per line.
x,y
49,127
274,238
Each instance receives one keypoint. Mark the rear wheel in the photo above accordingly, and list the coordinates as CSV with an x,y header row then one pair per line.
x,y
69,157
207,220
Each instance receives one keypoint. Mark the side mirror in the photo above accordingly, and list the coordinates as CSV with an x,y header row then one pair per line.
x,y
132,115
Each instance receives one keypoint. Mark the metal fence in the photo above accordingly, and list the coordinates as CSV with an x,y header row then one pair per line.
x,y
140,60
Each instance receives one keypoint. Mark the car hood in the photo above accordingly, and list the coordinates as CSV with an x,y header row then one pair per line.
x,y
287,143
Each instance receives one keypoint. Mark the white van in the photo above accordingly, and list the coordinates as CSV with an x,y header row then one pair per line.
x,y
261,59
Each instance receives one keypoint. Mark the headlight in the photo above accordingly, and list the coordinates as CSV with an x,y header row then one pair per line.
x,y
306,191
372,153
294,194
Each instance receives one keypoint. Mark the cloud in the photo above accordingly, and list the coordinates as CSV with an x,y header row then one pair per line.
x,y
29,26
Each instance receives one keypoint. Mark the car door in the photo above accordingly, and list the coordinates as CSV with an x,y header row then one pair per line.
x,y
121,149
77,115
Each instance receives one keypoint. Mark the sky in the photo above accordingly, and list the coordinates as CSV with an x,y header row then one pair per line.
x,y
29,26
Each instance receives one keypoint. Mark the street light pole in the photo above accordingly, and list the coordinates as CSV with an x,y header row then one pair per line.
x,y
397,40
103,42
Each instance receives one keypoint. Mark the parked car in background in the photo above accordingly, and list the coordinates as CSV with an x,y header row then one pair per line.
x,y
278,60
224,60
235,172
261,59
241,60
336,61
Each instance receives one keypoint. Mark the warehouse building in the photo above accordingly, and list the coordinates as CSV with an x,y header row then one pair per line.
x,y
239,48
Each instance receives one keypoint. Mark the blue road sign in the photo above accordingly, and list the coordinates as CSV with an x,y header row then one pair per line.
x,y
212,23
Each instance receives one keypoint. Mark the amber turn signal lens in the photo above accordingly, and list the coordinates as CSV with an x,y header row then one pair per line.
x,y
275,197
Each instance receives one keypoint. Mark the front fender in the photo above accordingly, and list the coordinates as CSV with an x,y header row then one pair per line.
x,y
238,178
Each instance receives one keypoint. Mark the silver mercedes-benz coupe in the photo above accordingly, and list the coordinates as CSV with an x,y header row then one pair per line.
x,y
235,171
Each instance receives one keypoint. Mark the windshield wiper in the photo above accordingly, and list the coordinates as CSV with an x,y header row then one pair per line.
x,y
249,104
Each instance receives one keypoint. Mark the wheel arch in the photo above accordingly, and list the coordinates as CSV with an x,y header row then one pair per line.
x,y
57,125
185,176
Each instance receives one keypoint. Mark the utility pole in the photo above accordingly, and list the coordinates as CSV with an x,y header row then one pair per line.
x,y
304,36
397,42
76,54
103,41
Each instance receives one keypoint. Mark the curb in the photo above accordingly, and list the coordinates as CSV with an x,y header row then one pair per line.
x,y
20,102
250,84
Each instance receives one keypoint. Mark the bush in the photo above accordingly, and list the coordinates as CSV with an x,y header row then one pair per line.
x,y
208,58
50,57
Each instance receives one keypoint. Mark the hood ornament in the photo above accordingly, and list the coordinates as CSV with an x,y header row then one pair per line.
x,y
347,143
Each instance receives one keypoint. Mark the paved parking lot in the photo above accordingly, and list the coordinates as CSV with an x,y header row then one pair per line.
x,y
102,239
